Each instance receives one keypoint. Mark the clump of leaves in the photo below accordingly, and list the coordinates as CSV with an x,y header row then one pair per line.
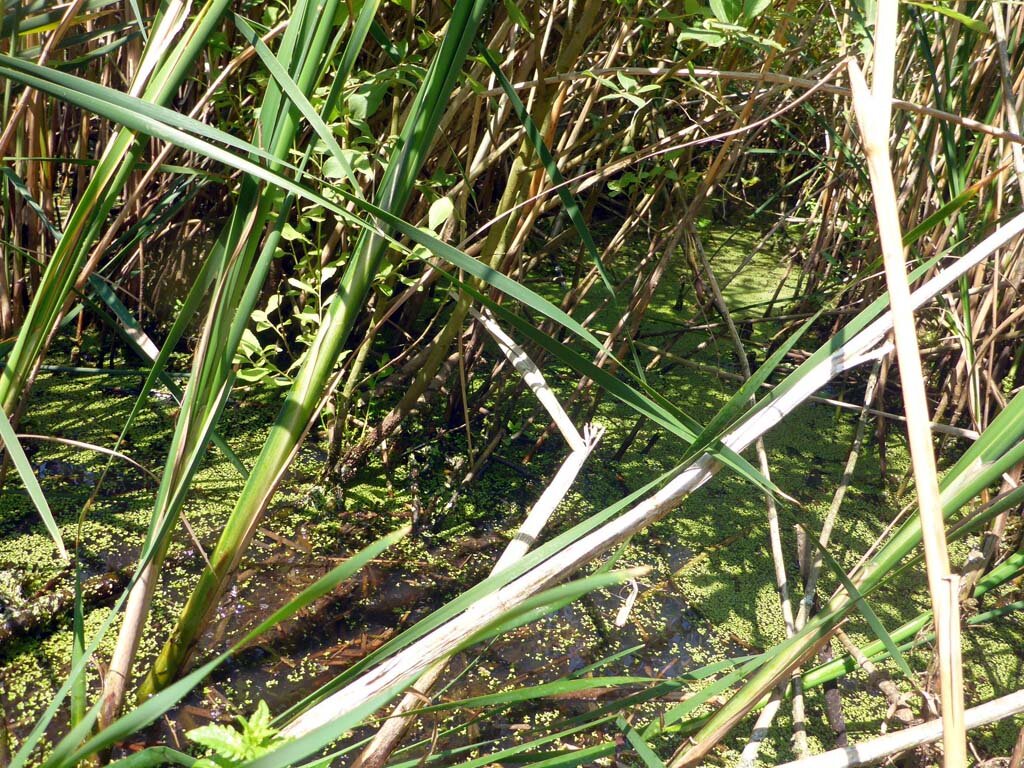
x,y
230,747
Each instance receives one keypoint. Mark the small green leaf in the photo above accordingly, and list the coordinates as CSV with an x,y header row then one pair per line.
x,y
628,83
630,97
726,11
516,14
252,375
440,211
232,747
258,727
709,37
357,106
222,739
294,282
754,8
290,233
334,167
249,344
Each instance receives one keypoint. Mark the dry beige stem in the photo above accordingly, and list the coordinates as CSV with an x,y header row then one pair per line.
x,y
532,376
15,119
876,750
1009,107
874,111
387,738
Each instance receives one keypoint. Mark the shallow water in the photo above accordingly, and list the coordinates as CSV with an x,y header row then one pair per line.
x,y
709,595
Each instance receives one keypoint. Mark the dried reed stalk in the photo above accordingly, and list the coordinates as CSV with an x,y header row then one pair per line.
x,y
874,112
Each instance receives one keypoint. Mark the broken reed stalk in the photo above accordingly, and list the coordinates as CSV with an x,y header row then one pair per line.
x,y
538,517
532,376
386,740
816,561
874,112
764,721
898,707
876,750
1006,80
439,643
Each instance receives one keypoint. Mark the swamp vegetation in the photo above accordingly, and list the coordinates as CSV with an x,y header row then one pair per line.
x,y
474,383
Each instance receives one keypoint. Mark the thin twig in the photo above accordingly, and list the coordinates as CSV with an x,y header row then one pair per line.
x,y
814,569
683,70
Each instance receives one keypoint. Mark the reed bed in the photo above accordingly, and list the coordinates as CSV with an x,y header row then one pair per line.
x,y
387,218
